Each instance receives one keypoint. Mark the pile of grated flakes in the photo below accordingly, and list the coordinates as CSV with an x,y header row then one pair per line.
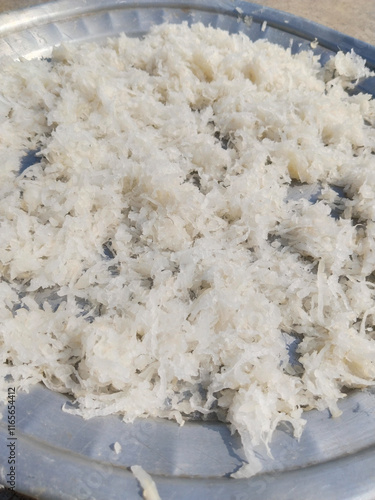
x,y
152,260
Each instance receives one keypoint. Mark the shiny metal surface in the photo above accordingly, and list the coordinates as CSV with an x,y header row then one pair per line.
x,y
60,456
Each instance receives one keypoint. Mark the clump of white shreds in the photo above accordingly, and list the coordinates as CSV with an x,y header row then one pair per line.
x,y
151,261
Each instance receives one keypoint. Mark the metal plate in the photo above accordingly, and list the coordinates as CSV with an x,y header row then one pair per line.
x,y
60,456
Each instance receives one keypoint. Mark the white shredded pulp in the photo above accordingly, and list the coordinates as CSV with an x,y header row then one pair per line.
x,y
152,262
117,448
148,485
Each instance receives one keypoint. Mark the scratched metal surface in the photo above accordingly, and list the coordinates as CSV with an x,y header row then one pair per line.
x,y
60,456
